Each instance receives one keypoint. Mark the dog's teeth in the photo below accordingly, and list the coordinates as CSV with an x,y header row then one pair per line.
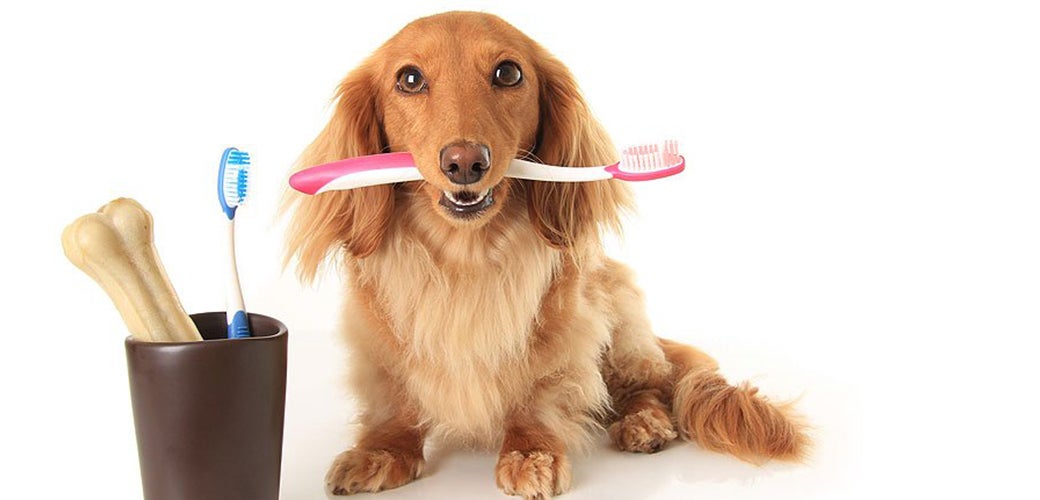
x,y
477,199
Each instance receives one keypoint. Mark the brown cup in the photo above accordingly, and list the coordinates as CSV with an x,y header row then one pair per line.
x,y
209,414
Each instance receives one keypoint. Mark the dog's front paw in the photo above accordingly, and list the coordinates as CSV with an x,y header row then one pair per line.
x,y
360,470
645,431
534,475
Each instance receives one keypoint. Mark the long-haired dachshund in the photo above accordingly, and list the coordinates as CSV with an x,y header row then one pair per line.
x,y
480,309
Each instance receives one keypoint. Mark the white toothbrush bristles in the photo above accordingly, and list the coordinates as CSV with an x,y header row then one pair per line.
x,y
649,157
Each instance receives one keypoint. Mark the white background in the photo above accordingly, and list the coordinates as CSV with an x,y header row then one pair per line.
x,y
858,225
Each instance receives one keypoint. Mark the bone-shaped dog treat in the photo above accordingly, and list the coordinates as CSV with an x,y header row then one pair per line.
x,y
115,247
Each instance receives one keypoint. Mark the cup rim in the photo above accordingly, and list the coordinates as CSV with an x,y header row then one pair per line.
x,y
282,332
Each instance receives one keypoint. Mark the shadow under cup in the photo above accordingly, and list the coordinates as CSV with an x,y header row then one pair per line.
x,y
209,415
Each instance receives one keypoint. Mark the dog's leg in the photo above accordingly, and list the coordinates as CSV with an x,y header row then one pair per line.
x,y
643,423
533,461
637,374
567,397
388,454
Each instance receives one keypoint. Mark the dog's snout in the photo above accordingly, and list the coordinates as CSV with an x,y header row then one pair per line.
x,y
465,162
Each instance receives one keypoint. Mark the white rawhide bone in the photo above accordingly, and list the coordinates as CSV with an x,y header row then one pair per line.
x,y
114,246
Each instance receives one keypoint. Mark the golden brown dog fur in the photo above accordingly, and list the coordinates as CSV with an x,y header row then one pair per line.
x,y
512,328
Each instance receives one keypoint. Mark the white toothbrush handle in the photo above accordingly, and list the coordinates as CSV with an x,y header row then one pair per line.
x,y
234,289
518,169
522,169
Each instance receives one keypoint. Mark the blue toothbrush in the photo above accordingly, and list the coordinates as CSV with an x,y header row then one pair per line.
x,y
232,185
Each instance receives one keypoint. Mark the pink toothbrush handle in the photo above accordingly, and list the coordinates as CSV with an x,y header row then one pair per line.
x,y
312,179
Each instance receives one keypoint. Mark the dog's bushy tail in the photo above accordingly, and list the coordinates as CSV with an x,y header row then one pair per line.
x,y
730,419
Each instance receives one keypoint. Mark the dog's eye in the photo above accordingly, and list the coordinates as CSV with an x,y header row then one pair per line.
x,y
410,80
507,74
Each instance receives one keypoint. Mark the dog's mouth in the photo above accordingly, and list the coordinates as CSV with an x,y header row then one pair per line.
x,y
466,204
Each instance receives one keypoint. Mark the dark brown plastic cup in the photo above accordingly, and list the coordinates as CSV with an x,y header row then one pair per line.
x,y
209,414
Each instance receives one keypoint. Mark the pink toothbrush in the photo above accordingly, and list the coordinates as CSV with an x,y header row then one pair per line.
x,y
638,163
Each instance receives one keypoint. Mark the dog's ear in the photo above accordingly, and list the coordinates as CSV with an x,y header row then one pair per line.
x,y
354,220
567,213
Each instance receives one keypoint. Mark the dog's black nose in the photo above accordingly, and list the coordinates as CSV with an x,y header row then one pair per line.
x,y
465,162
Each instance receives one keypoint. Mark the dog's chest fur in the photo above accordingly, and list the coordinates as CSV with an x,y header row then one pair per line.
x,y
464,305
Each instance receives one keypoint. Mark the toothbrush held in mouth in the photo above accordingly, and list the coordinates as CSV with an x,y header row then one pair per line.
x,y
638,163
232,187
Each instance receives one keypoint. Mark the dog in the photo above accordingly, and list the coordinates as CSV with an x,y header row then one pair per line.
x,y
481,310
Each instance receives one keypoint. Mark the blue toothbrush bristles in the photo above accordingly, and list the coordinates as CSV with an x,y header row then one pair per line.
x,y
236,178
238,158
242,184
